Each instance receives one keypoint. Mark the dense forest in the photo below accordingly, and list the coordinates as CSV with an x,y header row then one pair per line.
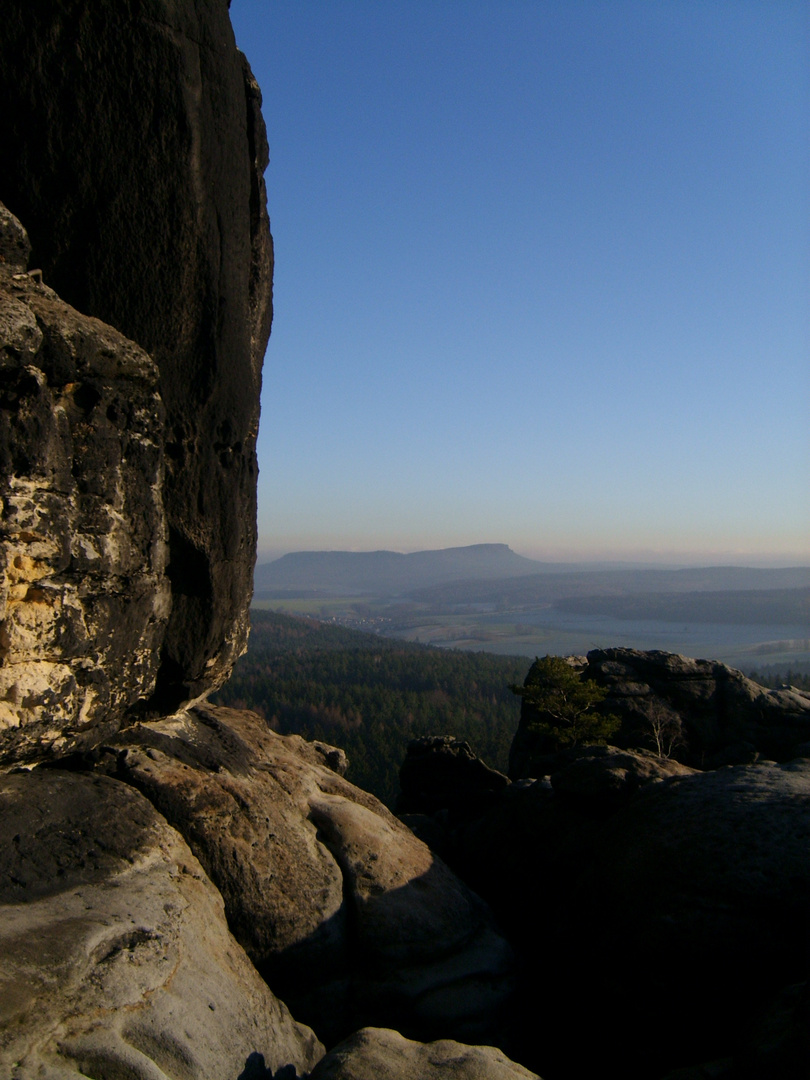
x,y
371,695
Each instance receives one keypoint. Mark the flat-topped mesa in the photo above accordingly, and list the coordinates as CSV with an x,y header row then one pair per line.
x,y
133,150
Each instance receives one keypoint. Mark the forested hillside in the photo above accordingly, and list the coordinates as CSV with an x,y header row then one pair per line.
x,y
371,695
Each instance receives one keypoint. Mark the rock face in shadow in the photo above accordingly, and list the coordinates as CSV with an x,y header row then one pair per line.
x,y
380,1054
115,957
682,908
347,914
710,874
722,717
84,593
133,150
441,771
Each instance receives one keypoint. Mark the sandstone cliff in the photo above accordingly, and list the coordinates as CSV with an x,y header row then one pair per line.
x,y
85,596
133,151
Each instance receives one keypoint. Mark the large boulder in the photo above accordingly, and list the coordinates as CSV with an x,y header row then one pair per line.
x,y
349,917
380,1054
727,718
680,910
115,957
84,592
611,777
133,150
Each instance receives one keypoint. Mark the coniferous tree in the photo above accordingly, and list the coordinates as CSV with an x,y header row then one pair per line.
x,y
564,704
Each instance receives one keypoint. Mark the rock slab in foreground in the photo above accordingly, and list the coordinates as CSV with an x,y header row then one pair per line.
x,y
115,958
349,916
705,880
381,1054
133,151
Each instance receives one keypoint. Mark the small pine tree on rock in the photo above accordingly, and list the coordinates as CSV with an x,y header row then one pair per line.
x,y
564,703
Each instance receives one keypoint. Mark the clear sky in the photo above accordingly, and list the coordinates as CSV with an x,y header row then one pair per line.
x,y
542,276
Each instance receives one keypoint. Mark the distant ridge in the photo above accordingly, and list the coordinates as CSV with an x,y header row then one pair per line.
x,y
493,573
391,572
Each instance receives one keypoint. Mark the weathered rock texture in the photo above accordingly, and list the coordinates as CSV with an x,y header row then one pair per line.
x,y
776,1047
115,957
380,1054
348,915
15,247
726,718
133,150
84,595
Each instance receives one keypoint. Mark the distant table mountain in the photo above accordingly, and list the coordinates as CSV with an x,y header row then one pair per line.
x,y
390,572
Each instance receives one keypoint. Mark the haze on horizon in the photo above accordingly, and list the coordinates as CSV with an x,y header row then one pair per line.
x,y
542,277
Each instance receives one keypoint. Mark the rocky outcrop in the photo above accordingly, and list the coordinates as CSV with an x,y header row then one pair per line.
x,y
442,772
776,1047
656,911
84,592
115,957
716,715
133,150
378,1054
15,247
607,776
346,913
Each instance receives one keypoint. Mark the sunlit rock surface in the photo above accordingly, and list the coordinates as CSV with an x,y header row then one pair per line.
x,y
379,1054
84,593
350,917
728,719
724,717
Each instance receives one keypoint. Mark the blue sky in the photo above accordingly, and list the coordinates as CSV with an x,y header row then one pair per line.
x,y
542,276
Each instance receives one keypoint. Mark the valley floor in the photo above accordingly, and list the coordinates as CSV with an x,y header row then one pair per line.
x,y
546,630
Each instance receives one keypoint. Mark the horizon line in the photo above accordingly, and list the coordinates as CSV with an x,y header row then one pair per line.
x,y
664,560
